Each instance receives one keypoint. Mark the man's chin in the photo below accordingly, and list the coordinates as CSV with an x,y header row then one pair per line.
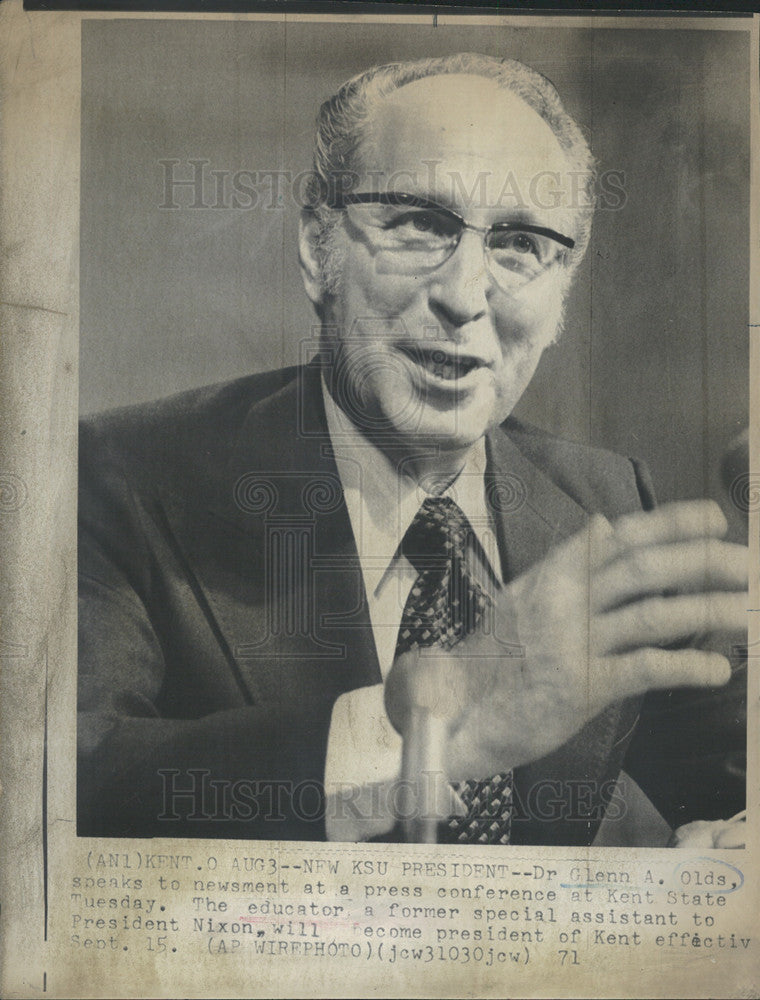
x,y
455,427
441,439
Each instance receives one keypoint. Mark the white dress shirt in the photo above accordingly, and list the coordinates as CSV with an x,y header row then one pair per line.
x,y
364,750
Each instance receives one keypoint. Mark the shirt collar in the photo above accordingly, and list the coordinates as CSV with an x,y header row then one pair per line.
x,y
382,501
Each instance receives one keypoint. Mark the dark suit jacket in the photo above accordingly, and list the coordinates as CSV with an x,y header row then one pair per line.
x,y
222,612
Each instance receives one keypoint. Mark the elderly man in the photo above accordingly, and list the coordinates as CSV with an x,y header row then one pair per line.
x,y
279,573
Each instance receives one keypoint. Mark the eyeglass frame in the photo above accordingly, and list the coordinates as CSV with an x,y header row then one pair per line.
x,y
402,199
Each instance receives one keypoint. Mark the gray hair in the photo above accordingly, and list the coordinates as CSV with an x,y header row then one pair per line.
x,y
344,118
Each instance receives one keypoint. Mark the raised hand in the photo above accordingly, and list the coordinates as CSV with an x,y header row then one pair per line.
x,y
580,630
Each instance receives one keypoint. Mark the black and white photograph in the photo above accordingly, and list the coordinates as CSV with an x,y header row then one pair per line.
x,y
413,462
379,504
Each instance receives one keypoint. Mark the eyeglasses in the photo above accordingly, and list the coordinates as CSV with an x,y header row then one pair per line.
x,y
414,235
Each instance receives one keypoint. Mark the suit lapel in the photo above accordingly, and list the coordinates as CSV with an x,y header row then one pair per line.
x,y
273,552
531,513
560,798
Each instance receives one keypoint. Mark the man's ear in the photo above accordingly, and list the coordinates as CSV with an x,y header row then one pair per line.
x,y
308,257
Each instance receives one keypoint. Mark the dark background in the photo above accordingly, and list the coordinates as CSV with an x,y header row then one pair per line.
x,y
654,359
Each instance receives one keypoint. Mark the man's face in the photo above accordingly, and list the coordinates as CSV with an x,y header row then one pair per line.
x,y
440,356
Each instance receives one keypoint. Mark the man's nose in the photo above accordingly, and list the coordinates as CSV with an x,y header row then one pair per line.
x,y
461,285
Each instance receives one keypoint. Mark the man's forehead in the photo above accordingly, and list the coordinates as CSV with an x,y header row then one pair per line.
x,y
464,122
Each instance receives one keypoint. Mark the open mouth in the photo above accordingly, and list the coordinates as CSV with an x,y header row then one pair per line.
x,y
441,364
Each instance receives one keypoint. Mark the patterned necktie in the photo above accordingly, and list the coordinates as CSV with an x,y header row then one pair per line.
x,y
444,605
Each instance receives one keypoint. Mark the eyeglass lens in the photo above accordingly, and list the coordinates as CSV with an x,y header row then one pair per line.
x,y
422,238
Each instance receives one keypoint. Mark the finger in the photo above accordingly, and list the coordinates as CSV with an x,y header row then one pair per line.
x,y
655,621
699,833
673,522
699,565
731,835
660,669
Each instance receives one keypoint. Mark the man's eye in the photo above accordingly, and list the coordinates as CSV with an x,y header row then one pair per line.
x,y
423,222
524,244
519,243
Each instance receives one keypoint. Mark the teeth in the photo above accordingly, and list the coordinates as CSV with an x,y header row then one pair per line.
x,y
447,370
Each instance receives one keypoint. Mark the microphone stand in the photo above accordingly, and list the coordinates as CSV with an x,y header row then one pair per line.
x,y
423,699
422,762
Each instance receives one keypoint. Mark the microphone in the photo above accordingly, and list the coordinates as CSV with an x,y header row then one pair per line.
x,y
425,694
